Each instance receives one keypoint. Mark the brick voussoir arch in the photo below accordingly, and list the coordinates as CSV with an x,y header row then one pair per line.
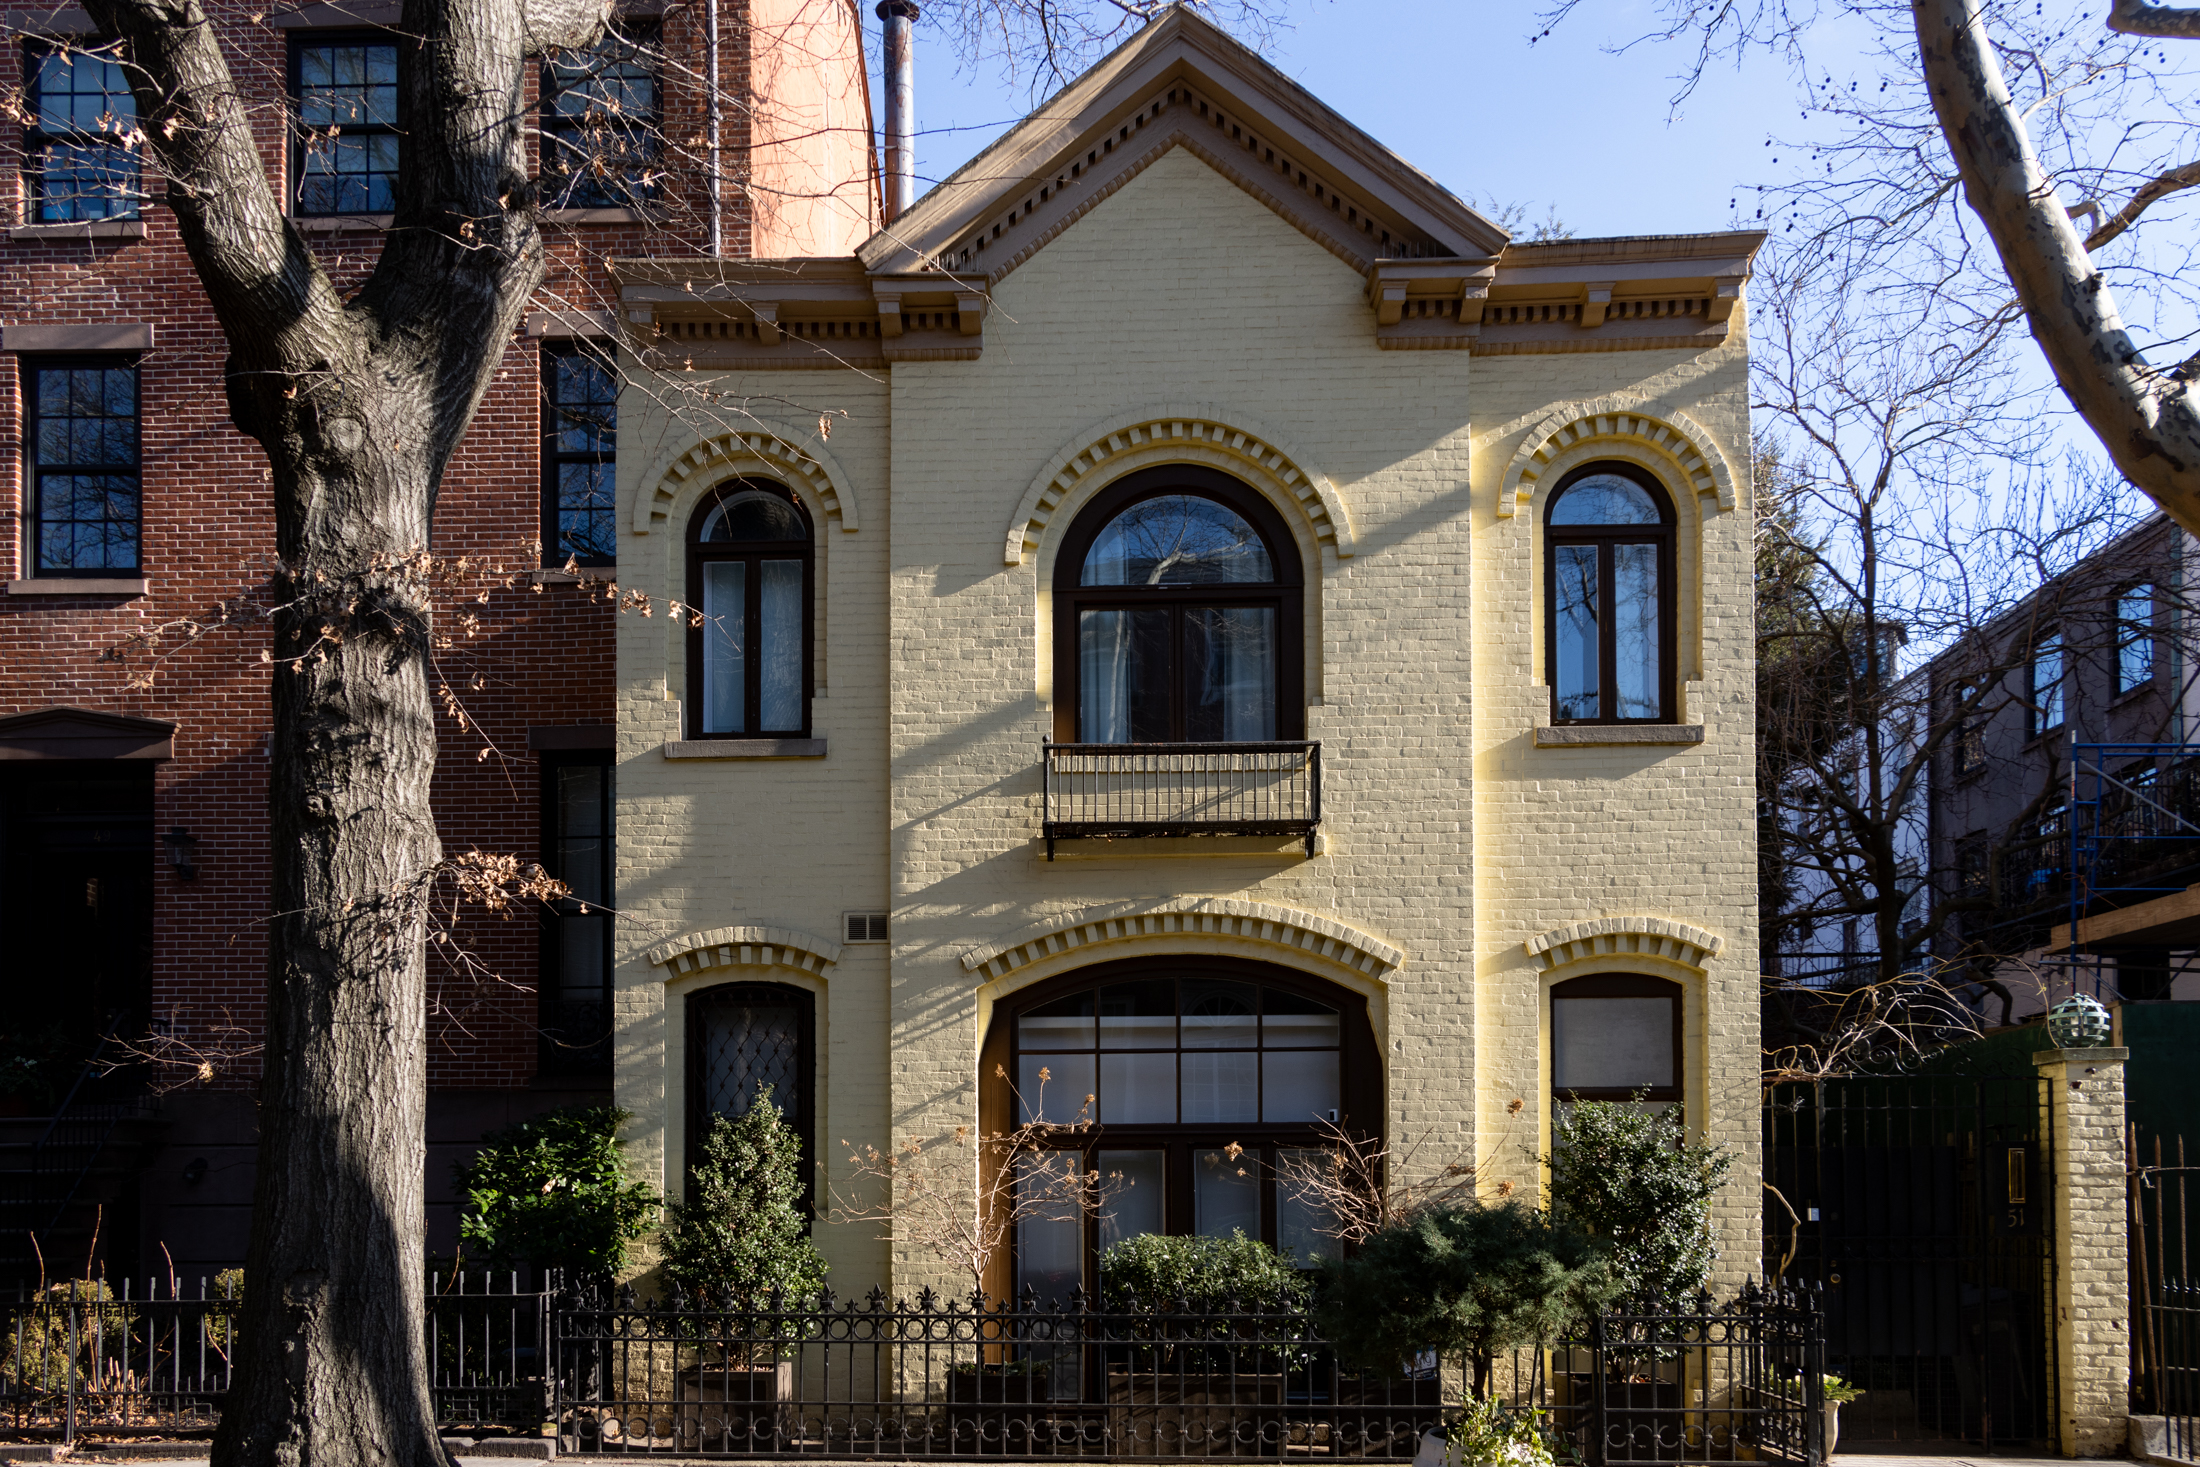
x,y
744,947
1604,937
780,450
1191,427
1096,927
1674,436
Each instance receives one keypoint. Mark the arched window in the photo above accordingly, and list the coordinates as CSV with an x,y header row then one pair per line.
x,y
749,573
1608,558
741,1036
1203,1073
1177,616
1616,1036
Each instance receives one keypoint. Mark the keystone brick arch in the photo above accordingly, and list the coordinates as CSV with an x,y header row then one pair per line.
x,y
1197,428
1095,927
744,947
1675,437
1603,937
780,450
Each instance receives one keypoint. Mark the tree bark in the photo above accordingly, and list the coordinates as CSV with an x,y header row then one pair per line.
x,y
2145,417
359,405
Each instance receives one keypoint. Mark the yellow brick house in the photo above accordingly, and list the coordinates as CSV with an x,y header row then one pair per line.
x,y
1193,606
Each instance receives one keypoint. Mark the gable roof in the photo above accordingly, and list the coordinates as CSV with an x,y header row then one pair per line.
x,y
1180,82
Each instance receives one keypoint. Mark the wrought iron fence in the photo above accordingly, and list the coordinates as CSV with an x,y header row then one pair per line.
x,y
2165,1377
121,1359
611,1374
1115,790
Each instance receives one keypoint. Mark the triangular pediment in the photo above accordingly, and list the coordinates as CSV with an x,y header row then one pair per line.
x,y
80,733
1180,82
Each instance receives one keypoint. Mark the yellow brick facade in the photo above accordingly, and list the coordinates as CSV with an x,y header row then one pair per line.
x,y
1182,317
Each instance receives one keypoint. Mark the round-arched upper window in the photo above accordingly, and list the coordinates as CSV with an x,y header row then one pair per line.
x,y
753,514
1605,499
1177,540
1608,565
750,599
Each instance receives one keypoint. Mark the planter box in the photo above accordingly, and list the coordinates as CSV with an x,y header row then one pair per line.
x,y
1164,1413
1002,1410
737,1408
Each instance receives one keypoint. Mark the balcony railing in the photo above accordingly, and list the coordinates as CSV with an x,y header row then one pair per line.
x,y
1108,791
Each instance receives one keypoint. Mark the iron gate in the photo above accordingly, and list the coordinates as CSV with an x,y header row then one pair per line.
x,y
1920,1203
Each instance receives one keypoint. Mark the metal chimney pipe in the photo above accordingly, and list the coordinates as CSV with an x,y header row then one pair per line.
x,y
898,185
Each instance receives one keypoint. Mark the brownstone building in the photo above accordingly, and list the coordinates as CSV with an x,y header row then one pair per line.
x,y
133,671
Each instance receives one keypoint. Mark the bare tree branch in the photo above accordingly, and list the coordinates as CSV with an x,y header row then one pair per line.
x,y
2160,186
2138,18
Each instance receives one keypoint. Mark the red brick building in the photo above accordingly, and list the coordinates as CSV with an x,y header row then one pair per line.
x,y
133,743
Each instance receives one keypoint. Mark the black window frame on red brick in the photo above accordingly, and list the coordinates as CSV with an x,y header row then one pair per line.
x,y
36,471
303,132
627,140
573,440
575,1022
43,136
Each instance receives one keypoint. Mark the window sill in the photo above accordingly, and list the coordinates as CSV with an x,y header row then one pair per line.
x,y
340,223
594,216
587,575
1570,735
87,229
744,748
80,586
2131,694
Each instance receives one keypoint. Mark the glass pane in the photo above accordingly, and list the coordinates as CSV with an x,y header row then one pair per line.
x,y
780,646
1138,1015
2135,647
1138,1089
1059,1094
1050,1243
1123,677
725,653
581,956
1635,630
1225,1192
1064,1024
748,1042
2047,684
1611,1043
79,181
1605,499
754,514
585,403
1302,1221
1132,1188
1176,540
1299,1086
1219,1015
1230,674
1574,658
1288,1020
580,800
1221,1085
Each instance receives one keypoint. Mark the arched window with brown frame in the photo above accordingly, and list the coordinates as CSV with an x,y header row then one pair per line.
x,y
1609,597
1204,1073
1178,615
750,578
1616,1036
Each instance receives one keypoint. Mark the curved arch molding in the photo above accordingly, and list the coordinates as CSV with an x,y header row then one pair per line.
x,y
1096,927
782,451
1203,428
744,947
1676,437
1604,937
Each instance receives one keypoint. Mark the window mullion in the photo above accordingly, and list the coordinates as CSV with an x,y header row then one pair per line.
x,y
1607,655
752,642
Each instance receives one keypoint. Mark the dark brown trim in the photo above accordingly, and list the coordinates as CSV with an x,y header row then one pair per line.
x,y
753,552
1664,535
1286,593
698,1115
79,733
1626,985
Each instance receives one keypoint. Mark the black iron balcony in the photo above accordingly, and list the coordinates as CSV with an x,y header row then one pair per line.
x,y
1108,791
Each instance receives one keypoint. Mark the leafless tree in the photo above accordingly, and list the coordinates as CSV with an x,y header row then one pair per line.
x,y
1361,1184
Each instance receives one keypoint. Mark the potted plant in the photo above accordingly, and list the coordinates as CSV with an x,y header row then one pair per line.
x,y
741,1250
1835,1391
1464,1279
1490,1434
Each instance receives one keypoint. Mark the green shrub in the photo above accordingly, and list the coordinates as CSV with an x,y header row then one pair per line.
x,y
744,1236
1629,1178
554,1191
35,1353
1460,1279
1171,1275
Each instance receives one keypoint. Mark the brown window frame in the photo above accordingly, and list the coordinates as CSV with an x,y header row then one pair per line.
x,y
1665,535
1286,592
1623,985
1359,1089
698,1112
754,552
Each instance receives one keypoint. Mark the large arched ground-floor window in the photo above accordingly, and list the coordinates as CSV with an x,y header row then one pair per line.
x,y
1204,1072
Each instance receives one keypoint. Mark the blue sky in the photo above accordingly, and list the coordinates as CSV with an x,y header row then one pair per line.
x,y
1455,87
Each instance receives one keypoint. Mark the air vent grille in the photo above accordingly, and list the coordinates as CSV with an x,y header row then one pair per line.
x,y
866,926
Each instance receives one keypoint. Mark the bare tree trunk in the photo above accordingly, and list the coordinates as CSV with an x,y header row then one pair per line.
x,y
359,404
2146,417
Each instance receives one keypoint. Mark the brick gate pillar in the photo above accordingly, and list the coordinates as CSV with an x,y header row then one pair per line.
x,y
2090,1306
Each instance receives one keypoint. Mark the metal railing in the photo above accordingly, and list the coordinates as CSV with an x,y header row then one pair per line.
x,y
2165,1335
1110,791
611,1374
